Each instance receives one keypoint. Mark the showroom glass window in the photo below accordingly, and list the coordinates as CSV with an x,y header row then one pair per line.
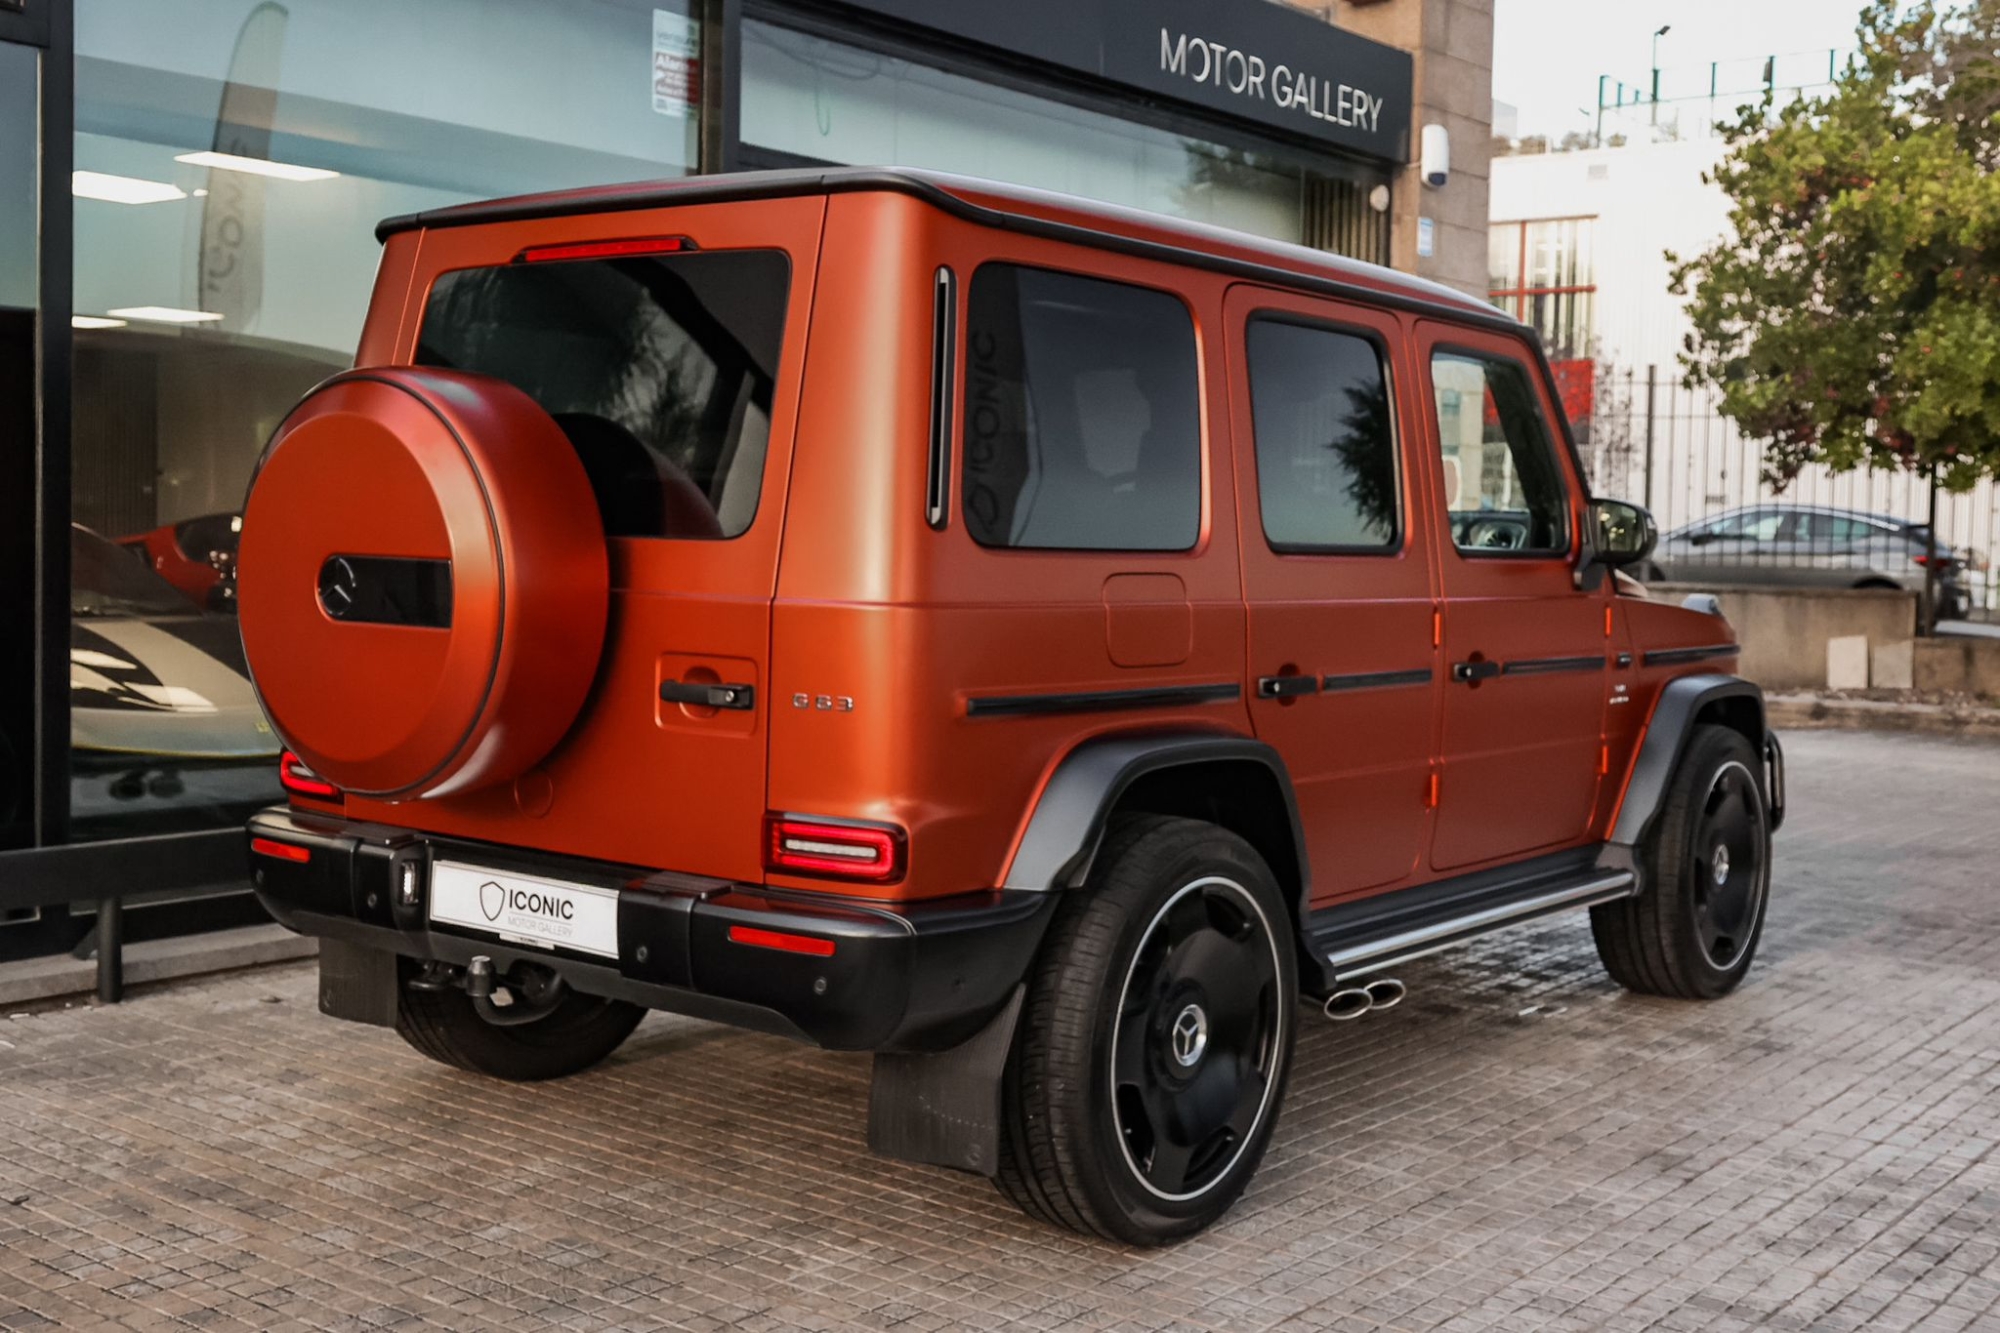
x,y
807,97
233,157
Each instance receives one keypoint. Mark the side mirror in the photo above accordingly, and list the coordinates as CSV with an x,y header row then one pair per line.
x,y
1621,534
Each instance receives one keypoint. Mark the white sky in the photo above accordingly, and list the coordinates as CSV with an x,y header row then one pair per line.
x,y
1547,54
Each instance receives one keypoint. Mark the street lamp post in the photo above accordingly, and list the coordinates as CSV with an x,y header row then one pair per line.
x,y
1665,28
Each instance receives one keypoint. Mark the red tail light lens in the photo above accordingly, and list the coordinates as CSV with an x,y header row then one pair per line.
x,y
296,778
625,249
804,846
283,851
781,940
1924,561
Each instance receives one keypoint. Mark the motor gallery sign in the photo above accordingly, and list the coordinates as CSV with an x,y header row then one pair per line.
x,y
1247,59
1246,74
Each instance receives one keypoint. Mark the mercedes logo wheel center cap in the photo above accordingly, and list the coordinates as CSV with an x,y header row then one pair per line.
x,y
1189,1036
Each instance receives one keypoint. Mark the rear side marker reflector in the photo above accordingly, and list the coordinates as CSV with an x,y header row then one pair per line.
x,y
782,941
872,852
645,245
296,778
282,851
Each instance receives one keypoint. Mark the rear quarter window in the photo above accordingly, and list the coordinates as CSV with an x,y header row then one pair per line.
x,y
1082,414
659,368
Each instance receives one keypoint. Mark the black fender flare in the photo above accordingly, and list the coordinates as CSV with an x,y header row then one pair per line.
x,y
1063,834
1681,702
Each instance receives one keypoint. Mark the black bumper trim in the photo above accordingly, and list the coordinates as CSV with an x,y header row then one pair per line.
x,y
918,976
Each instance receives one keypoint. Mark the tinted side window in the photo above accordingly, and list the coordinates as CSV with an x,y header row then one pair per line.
x,y
660,370
1833,528
1082,414
1326,452
1501,480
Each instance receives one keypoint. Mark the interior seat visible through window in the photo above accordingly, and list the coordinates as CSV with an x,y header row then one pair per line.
x,y
1083,414
659,368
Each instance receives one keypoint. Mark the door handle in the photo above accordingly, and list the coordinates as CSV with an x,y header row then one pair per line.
x,y
1470,673
1286,687
742,697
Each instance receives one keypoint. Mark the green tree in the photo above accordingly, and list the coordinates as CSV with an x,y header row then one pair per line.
x,y
1853,315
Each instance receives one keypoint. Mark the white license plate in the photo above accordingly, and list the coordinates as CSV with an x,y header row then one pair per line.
x,y
526,909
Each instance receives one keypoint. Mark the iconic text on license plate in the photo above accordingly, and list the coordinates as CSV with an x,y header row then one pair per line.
x,y
526,909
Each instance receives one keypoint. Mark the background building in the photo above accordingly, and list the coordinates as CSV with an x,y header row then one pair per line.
x,y
188,191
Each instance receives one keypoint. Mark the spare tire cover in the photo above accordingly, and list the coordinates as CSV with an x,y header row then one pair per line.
x,y
422,582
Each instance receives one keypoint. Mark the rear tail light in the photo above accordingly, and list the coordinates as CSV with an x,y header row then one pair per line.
x,y
781,940
1925,561
283,851
834,849
296,778
623,249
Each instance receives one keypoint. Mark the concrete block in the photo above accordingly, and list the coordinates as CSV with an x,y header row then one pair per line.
x,y
1963,664
1893,666
1847,662
1784,631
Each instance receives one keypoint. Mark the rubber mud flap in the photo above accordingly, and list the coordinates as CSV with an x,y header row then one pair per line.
x,y
423,582
357,983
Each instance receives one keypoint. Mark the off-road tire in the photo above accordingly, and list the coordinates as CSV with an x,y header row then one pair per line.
x,y
1654,943
1063,1157
582,1030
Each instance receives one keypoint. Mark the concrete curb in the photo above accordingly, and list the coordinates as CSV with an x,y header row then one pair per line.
x,y
1806,712
36,979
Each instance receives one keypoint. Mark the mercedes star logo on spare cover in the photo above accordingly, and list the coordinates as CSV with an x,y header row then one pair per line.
x,y
491,899
338,584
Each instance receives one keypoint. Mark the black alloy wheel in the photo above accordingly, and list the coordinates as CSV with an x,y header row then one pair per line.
x,y
1704,877
1727,868
1196,1038
1155,1036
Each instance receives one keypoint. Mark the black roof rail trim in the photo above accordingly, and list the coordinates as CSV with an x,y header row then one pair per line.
x,y
784,184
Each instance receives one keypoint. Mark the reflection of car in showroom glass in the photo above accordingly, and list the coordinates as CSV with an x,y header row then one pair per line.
x,y
1808,546
196,555
152,677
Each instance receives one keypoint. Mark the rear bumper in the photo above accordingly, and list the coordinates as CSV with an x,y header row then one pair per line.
x,y
901,977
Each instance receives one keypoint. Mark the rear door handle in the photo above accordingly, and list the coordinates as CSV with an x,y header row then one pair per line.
x,y
742,697
1470,672
1286,687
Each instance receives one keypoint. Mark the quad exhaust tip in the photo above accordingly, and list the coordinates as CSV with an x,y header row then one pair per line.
x,y
1352,1002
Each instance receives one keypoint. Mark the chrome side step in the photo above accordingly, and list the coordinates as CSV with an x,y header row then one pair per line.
x,y
1372,955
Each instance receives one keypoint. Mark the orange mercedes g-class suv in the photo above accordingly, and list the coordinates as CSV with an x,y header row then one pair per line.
x,y
1032,641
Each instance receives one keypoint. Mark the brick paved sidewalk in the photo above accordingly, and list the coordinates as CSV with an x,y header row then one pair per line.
x,y
1519,1146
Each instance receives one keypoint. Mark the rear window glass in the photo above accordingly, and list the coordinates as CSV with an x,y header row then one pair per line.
x,y
1082,414
659,369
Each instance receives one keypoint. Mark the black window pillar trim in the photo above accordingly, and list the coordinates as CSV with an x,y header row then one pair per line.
x,y
52,445
722,97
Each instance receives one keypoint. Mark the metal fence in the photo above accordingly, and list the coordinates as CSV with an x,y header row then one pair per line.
x,y
1651,440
